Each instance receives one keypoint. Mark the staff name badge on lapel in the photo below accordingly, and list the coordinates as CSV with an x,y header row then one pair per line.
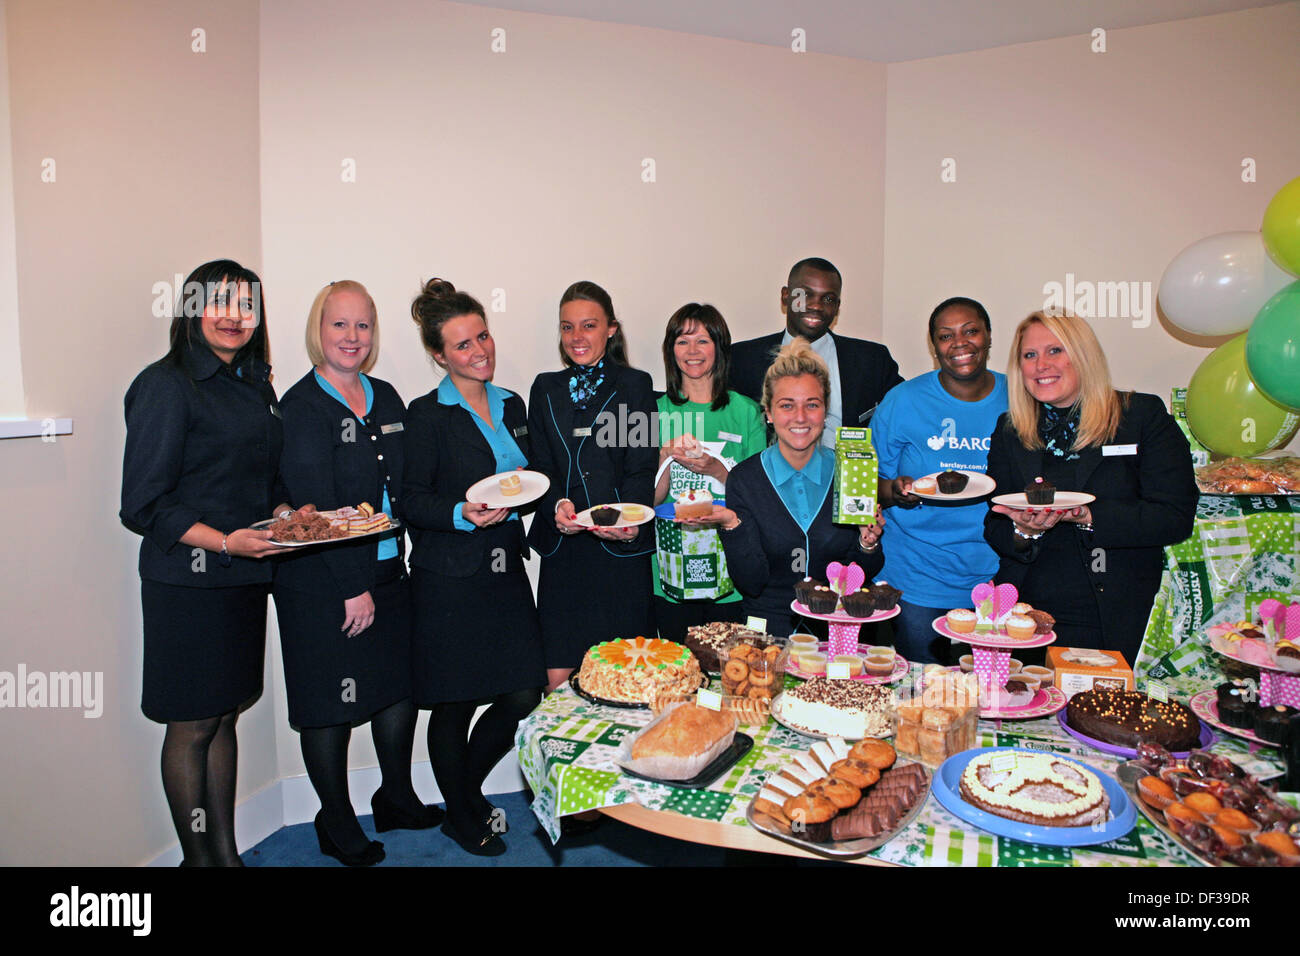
x,y
394,427
728,436
520,432
582,432
275,410
1111,451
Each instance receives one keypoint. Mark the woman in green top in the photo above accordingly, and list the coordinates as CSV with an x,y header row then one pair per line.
x,y
704,430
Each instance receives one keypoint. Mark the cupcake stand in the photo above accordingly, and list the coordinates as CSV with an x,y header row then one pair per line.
x,y
993,650
844,628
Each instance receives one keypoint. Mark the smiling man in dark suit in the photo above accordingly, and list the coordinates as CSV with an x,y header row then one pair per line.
x,y
861,371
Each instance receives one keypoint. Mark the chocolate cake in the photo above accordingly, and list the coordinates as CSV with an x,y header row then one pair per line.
x,y
1126,718
605,516
951,482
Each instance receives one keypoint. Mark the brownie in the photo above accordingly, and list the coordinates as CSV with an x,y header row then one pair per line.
x,y
1040,492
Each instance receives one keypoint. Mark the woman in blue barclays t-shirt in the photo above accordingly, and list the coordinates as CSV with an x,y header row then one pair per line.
x,y
935,551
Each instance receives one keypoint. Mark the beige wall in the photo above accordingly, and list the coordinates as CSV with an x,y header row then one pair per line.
x,y
521,171
156,164
1105,165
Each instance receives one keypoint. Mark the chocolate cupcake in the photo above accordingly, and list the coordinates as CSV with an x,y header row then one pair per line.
x,y
1234,710
859,604
1040,492
1043,622
884,597
605,516
951,482
822,600
1270,722
803,590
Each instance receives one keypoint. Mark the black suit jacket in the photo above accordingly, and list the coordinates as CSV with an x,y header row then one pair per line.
x,y
1145,501
445,454
867,372
331,459
586,469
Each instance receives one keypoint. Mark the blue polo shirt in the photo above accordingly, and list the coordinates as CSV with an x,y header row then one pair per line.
x,y
801,490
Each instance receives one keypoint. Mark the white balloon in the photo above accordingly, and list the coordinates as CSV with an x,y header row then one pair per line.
x,y
1215,286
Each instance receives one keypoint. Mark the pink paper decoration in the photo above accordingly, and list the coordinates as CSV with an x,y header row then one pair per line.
x,y
844,580
1288,627
1278,689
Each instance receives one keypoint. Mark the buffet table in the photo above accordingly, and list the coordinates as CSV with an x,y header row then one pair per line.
x,y
1242,550
566,749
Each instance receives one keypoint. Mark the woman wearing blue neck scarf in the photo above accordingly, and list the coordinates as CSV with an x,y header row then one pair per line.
x,y
1095,568
776,528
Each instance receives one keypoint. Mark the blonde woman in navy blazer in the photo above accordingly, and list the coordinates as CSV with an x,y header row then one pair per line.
x,y
591,425
477,639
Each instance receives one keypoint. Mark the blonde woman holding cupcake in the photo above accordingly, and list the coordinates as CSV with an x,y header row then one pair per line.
x,y
1095,568
776,527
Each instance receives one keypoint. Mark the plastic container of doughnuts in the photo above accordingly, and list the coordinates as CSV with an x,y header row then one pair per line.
x,y
753,666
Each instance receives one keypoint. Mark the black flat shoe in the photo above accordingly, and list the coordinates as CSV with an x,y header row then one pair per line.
x,y
372,854
389,816
486,843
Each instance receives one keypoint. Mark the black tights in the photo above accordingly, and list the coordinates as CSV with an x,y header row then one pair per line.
x,y
199,760
462,759
325,752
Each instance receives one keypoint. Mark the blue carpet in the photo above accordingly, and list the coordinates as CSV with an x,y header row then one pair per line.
x,y
611,844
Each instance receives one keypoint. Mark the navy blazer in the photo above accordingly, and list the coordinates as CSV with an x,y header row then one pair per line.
x,y
332,459
586,469
202,445
766,552
1145,501
445,455
867,372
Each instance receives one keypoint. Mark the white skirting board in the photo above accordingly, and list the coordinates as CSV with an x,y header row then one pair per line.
x,y
293,800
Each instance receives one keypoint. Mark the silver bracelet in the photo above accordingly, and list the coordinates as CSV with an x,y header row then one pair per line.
x,y
1083,525
1027,537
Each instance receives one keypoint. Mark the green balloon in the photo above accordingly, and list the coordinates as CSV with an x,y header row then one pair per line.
x,y
1273,347
1281,227
1227,413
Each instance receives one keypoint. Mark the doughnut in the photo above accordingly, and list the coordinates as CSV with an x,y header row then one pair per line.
x,y
741,689
736,670
743,652
772,652
861,775
758,693
761,677
876,753
809,808
839,792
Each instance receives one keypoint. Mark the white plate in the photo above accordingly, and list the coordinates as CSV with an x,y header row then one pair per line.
x,y
1065,500
977,487
584,517
532,485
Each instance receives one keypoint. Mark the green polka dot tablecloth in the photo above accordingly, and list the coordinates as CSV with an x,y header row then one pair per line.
x,y
1242,549
567,747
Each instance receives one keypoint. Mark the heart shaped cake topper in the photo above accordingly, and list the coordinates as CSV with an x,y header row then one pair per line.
x,y
982,592
1272,615
1005,597
845,579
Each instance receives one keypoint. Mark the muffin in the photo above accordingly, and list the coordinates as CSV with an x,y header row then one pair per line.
x,y
1234,710
859,604
822,600
1043,622
961,620
951,482
1019,627
925,486
803,589
605,516
884,597
1040,492
1270,722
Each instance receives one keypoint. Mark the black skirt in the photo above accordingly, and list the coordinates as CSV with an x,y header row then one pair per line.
x,y
331,678
474,637
587,595
204,649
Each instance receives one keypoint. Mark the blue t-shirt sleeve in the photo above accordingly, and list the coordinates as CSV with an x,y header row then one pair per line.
x,y
885,439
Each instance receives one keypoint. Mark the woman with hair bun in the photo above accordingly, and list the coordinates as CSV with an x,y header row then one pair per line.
x,y
345,609
1095,568
776,527
591,425
477,639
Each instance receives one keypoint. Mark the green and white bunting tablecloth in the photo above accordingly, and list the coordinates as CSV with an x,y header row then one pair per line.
x,y
1242,550
566,750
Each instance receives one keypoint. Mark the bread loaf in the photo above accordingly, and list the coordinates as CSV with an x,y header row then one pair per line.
x,y
687,731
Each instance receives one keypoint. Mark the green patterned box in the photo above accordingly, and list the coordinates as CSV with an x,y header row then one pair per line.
x,y
856,471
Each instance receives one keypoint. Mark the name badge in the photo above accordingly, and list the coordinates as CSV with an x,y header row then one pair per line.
x,y
520,432
728,436
582,432
1110,451
275,410
394,427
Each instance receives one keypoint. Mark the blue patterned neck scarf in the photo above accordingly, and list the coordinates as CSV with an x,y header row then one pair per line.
x,y
1058,428
584,380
